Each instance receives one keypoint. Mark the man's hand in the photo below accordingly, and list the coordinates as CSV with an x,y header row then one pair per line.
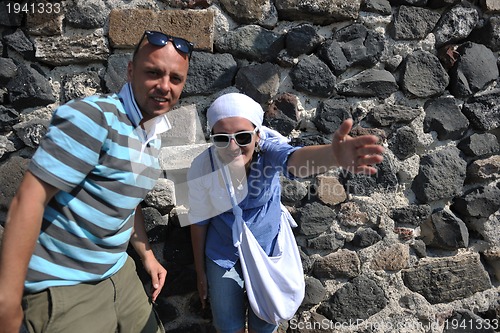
x,y
158,275
139,241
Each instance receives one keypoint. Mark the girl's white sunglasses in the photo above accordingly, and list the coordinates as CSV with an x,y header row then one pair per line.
x,y
242,139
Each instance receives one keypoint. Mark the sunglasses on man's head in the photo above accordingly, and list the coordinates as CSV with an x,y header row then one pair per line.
x,y
158,38
242,139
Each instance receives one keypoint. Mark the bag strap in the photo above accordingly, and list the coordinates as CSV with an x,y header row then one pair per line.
x,y
211,158
237,228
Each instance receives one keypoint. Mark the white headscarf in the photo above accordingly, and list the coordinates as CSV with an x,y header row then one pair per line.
x,y
241,105
235,105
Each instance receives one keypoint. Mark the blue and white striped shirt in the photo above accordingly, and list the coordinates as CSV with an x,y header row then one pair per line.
x,y
104,164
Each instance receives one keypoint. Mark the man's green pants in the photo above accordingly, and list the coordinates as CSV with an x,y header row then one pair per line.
x,y
117,304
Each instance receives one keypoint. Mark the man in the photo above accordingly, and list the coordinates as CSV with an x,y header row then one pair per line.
x,y
77,208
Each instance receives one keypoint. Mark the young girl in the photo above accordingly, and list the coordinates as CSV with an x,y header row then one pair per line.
x,y
255,156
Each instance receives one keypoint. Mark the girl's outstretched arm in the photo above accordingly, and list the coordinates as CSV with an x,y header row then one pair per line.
x,y
357,155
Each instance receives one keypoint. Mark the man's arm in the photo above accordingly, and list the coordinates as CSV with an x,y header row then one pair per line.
x,y
22,228
141,245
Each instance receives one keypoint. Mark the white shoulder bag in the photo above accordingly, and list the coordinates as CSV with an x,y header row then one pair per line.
x,y
274,284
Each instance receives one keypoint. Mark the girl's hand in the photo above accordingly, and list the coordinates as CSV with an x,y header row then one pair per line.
x,y
202,288
358,154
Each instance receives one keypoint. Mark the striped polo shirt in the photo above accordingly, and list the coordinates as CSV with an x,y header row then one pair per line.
x,y
104,164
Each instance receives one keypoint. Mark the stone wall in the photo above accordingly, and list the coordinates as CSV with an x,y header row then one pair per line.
x,y
414,248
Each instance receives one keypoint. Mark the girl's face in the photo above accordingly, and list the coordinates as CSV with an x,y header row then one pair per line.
x,y
233,154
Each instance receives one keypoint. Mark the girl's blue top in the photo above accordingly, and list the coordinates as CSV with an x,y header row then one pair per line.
x,y
210,203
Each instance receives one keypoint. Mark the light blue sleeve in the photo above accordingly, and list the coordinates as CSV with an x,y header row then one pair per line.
x,y
277,154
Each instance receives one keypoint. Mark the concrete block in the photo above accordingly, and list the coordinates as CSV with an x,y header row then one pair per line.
x,y
186,127
126,26
180,157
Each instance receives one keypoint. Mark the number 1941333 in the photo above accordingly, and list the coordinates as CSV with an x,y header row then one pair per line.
x,y
33,7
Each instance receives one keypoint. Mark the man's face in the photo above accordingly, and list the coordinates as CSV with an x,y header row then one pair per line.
x,y
157,76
